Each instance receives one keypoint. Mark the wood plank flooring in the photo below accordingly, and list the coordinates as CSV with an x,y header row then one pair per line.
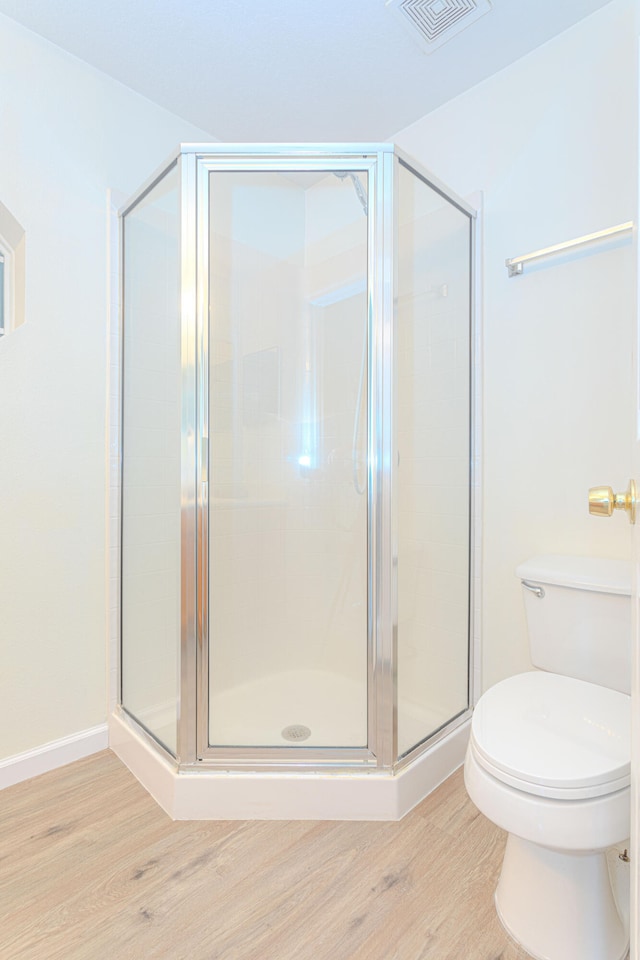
x,y
92,869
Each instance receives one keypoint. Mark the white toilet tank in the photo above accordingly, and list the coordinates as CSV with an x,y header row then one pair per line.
x,y
579,617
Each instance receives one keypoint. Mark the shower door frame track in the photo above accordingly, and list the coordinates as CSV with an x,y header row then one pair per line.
x,y
278,160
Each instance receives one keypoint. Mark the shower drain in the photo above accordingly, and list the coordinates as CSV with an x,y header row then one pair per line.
x,y
296,732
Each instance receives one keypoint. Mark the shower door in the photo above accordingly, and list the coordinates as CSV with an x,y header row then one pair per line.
x,y
287,357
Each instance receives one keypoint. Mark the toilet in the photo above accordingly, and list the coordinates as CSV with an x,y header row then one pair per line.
x,y
549,761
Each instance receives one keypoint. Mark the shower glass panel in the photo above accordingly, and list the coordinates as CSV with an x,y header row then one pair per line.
x,y
287,426
151,490
433,374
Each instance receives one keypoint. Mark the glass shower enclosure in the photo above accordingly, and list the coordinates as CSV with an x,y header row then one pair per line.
x,y
296,454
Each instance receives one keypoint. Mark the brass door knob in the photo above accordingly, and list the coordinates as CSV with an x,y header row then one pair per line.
x,y
603,501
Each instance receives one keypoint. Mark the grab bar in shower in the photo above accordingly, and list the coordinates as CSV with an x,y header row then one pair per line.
x,y
515,264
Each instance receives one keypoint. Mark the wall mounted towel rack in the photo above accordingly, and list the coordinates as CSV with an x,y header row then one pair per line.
x,y
516,264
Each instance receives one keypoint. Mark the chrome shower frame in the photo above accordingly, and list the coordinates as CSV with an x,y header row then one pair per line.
x,y
195,163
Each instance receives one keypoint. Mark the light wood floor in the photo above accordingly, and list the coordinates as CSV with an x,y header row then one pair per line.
x,y
92,869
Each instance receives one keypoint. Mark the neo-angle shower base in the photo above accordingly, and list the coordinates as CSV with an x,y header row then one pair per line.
x,y
331,706
214,794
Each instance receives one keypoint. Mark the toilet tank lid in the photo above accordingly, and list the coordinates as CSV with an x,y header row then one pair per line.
x,y
590,573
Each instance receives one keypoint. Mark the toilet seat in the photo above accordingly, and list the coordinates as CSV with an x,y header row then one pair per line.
x,y
564,738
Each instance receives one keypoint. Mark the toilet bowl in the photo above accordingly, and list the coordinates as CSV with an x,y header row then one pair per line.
x,y
548,761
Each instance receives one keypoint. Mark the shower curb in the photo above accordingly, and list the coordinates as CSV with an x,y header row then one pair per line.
x,y
213,794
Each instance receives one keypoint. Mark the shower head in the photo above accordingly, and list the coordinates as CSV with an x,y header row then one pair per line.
x,y
360,190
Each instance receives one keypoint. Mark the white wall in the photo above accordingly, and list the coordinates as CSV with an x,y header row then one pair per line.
x,y
551,141
68,135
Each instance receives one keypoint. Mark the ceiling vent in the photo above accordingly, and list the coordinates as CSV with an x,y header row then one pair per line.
x,y
433,22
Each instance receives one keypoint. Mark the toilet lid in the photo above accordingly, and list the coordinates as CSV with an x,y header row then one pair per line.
x,y
555,732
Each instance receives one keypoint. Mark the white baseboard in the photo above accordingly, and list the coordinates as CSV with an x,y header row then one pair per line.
x,y
52,755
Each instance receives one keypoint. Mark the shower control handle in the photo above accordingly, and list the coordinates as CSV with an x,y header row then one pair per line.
x,y
603,501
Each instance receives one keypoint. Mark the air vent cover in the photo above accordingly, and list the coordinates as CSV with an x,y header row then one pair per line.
x,y
433,22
